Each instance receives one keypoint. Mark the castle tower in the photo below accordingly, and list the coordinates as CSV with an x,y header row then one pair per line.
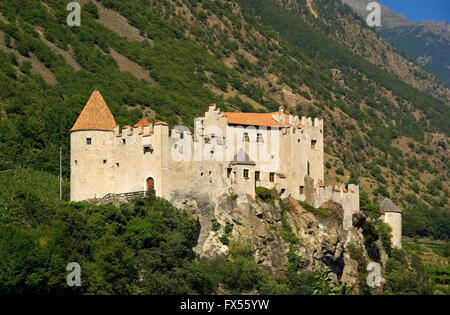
x,y
392,215
91,151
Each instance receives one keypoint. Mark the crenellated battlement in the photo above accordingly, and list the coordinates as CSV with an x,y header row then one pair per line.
x,y
345,195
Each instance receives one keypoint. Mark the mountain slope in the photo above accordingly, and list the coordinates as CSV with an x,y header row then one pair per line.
x,y
426,42
168,60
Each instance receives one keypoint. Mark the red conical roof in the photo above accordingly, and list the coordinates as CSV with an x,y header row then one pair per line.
x,y
95,115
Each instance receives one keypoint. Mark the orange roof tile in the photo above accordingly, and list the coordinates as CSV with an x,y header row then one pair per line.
x,y
95,115
255,119
161,123
143,123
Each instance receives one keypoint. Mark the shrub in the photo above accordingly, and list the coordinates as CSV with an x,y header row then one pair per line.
x,y
215,225
340,171
265,194
384,231
224,240
228,228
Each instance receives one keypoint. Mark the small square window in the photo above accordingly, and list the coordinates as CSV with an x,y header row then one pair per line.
x,y
104,161
148,149
302,190
88,141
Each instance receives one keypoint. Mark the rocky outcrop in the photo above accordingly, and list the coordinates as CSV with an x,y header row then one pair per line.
x,y
321,237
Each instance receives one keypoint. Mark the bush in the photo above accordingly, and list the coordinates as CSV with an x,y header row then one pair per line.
x,y
228,228
401,280
340,171
384,231
267,195
215,225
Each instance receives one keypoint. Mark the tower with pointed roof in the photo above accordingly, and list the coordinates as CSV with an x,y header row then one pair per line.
x,y
92,133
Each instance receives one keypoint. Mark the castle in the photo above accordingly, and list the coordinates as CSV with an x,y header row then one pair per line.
x,y
228,153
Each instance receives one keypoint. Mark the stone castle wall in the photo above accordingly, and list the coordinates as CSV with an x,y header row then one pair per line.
x,y
123,160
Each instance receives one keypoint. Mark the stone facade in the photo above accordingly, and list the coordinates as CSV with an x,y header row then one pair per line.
x,y
229,153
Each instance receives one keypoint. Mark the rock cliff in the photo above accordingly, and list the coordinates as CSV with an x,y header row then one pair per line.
x,y
319,238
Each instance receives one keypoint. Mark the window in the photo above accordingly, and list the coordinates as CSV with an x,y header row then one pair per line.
x,y
117,164
272,177
257,175
259,138
229,172
308,168
124,141
148,149
104,161
313,144
76,162
302,190
246,138
88,141
245,173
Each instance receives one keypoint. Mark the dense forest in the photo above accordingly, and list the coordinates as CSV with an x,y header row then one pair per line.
x,y
386,134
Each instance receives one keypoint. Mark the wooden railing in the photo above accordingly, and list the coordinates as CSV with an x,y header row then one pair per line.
x,y
125,196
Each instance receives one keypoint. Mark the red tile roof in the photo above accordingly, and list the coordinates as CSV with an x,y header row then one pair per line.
x,y
95,115
255,119
143,123
161,123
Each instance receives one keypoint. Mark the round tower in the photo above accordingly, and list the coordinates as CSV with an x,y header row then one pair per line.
x,y
91,151
392,215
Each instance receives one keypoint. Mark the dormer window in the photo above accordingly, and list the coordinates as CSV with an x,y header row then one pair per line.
x,y
88,141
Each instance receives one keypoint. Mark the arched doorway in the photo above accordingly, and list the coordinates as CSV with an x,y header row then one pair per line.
x,y
150,185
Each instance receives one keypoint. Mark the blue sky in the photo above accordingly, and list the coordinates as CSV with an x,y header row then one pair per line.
x,y
418,10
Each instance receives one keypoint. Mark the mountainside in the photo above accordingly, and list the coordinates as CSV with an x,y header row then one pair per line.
x,y
425,42
386,118
168,60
